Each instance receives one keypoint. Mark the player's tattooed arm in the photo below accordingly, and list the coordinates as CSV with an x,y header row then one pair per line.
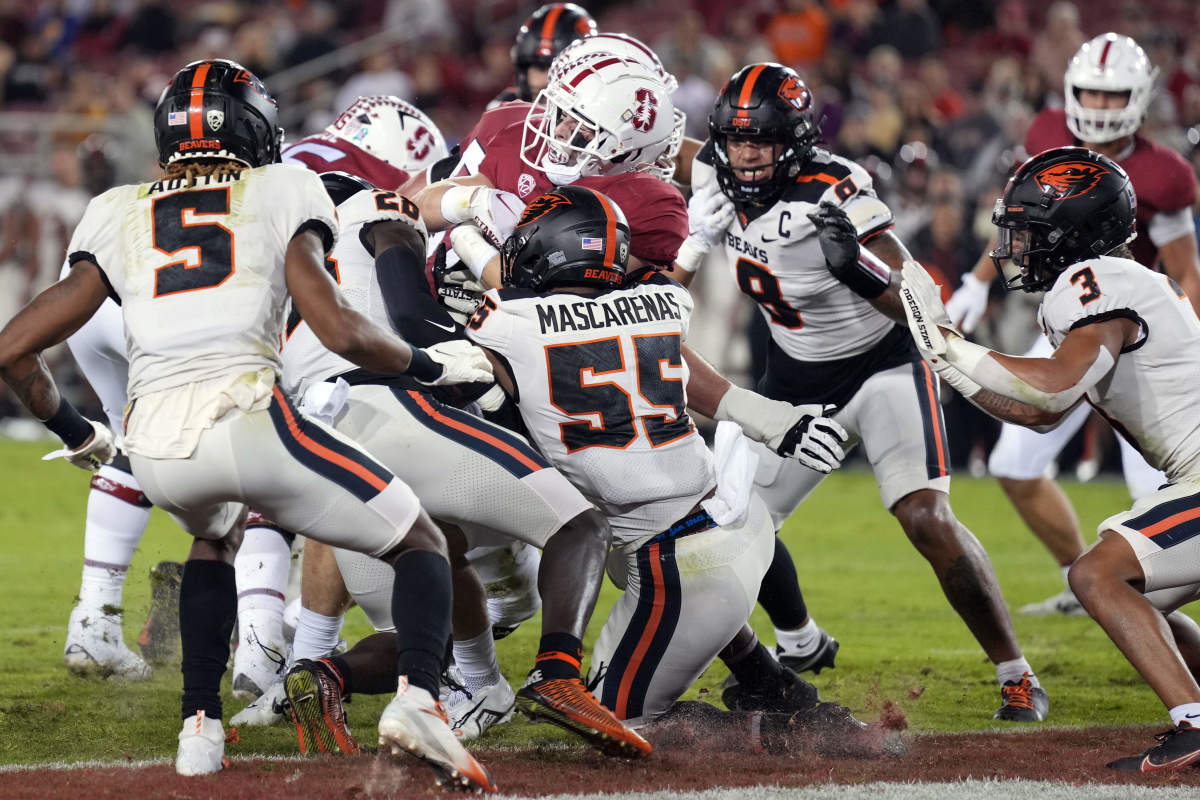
x,y
1007,409
888,247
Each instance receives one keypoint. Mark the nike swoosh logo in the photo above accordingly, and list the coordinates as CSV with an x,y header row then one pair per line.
x,y
447,328
1191,716
1182,761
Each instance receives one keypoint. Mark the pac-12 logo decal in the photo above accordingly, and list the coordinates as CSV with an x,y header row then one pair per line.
x,y
525,184
646,110
796,93
542,206
1070,178
215,119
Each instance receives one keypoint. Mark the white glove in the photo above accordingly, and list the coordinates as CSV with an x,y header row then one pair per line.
x,y
461,300
90,455
709,214
922,300
802,432
495,212
492,399
967,304
462,362
380,206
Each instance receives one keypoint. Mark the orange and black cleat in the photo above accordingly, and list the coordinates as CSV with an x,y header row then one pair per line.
x,y
1023,702
567,703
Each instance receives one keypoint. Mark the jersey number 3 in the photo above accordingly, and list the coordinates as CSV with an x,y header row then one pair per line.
x,y
208,260
578,387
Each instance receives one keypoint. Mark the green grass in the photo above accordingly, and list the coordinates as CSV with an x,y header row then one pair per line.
x,y
863,582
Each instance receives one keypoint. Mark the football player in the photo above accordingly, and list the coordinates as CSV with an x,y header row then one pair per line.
x,y
1108,86
542,37
689,549
1119,334
208,429
789,216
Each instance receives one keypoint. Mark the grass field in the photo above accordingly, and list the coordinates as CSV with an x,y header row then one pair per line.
x,y
863,581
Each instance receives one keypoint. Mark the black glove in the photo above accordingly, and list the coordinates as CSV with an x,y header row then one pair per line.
x,y
839,244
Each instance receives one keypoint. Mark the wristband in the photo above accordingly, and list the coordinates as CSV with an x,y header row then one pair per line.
x,y
456,204
69,425
690,255
422,367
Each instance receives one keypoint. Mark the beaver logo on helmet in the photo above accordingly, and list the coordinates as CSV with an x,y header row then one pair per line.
x,y
541,206
796,93
1069,179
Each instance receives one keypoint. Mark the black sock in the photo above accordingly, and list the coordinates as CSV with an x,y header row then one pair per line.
x,y
752,668
780,594
369,667
207,610
559,656
421,600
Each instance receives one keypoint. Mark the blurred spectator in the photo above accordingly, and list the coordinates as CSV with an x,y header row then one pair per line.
x,y
1010,36
854,28
945,245
687,49
745,42
944,101
799,33
316,34
152,28
910,27
378,75
1058,40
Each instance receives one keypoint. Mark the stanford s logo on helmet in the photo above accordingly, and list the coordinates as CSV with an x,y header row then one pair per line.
x,y
217,109
1062,206
569,237
1069,179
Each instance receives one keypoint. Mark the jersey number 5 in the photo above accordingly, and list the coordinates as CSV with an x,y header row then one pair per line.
x,y
209,260
577,387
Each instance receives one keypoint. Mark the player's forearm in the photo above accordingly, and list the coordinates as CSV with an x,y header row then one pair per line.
x,y
1181,263
31,382
705,386
1006,409
892,252
446,203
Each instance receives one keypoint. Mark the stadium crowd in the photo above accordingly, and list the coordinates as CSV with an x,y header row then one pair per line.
x,y
931,96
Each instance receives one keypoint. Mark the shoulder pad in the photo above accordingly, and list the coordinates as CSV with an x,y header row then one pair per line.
x,y
379,205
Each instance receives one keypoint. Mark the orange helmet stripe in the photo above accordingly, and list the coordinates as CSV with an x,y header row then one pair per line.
x,y
548,24
748,88
196,102
610,230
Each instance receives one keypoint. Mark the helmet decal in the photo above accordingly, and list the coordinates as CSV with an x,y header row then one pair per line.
x,y
1069,179
646,111
541,206
215,119
796,93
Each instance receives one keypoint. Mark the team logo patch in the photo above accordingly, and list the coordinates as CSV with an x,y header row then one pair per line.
x,y
796,93
1070,178
420,144
646,110
540,207
525,184
215,119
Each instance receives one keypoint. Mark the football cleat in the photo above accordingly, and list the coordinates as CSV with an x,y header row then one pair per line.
x,y
414,723
778,690
1065,603
820,658
201,746
266,710
258,661
1023,702
471,713
95,647
1177,748
159,640
567,703
314,704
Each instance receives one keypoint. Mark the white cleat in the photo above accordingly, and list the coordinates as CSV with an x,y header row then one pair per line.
x,y
414,723
201,746
266,710
259,661
472,713
95,646
1065,603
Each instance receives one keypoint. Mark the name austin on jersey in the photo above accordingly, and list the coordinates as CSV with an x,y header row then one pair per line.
x,y
585,315
200,180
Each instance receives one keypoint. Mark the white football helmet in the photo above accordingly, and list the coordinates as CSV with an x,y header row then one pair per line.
x,y
627,47
1111,63
391,130
602,115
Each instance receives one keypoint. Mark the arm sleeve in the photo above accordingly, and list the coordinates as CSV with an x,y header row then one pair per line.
x,y
411,307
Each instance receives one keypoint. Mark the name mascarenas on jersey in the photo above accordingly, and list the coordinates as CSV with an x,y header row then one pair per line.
x,y
1150,395
600,386
199,271
777,261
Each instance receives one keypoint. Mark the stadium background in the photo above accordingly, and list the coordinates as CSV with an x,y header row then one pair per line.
x,y
932,96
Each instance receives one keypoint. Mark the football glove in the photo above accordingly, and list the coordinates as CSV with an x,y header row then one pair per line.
x,y
967,304
461,362
457,290
710,213
495,213
839,244
922,301
815,440
96,451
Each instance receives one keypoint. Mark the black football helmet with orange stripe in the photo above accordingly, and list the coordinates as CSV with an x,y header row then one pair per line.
x,y
217,109
765,103
544,35
1062,206
571,236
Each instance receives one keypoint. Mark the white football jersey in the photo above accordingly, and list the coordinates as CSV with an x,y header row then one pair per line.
x,y
601,387
199,271
777,261
1150,395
